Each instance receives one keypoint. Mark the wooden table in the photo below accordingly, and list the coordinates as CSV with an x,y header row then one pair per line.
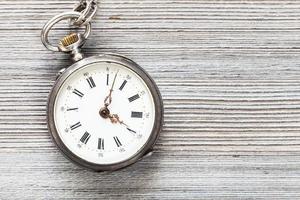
x,y
229,73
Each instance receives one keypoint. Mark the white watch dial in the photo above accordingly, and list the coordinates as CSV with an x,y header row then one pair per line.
x,y
89,135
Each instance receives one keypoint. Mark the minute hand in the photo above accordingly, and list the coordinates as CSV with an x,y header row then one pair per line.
x,y
108,99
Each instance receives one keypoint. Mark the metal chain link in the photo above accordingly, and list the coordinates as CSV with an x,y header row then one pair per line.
x,y
87,10
81,15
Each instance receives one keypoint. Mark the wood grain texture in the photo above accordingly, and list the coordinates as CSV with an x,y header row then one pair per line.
x,y
229,74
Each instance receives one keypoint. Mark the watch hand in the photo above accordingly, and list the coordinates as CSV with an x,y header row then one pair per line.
x,y
108,99
114,118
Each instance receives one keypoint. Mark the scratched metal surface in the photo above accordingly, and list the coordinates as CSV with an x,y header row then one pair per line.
x,y
229,73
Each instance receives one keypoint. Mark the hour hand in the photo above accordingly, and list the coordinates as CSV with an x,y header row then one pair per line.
x,y
114,118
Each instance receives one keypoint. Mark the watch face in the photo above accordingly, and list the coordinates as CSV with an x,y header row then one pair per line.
x,y
106,113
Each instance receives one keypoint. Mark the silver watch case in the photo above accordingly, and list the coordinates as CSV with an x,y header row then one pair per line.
x,y
110,58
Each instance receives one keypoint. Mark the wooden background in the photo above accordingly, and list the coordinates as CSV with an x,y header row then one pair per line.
x,y
229,73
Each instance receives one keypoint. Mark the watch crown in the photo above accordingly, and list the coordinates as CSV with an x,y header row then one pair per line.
x,y
69,39
72,44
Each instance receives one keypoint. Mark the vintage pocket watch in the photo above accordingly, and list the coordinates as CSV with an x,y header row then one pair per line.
x,y
104,112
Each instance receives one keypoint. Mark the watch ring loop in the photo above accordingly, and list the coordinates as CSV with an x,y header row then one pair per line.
x,y
48,26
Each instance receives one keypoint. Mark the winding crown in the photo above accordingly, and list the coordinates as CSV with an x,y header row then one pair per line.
x,y
69,39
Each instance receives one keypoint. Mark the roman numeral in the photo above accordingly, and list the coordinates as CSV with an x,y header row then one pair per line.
x,y
72,109
131,130
77,92
107,79
123,85
91,82
101,144
136,114
85,138
117,141
77,125
133,98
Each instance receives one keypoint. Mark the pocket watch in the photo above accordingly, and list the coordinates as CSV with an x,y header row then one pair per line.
x,y
104,112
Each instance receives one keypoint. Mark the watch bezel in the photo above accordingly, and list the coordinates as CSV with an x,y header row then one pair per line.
x,y
158,104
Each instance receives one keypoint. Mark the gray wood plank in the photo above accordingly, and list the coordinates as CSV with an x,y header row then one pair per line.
x,y
229,75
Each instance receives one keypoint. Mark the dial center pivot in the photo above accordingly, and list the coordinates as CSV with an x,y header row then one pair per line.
x,y
104,112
